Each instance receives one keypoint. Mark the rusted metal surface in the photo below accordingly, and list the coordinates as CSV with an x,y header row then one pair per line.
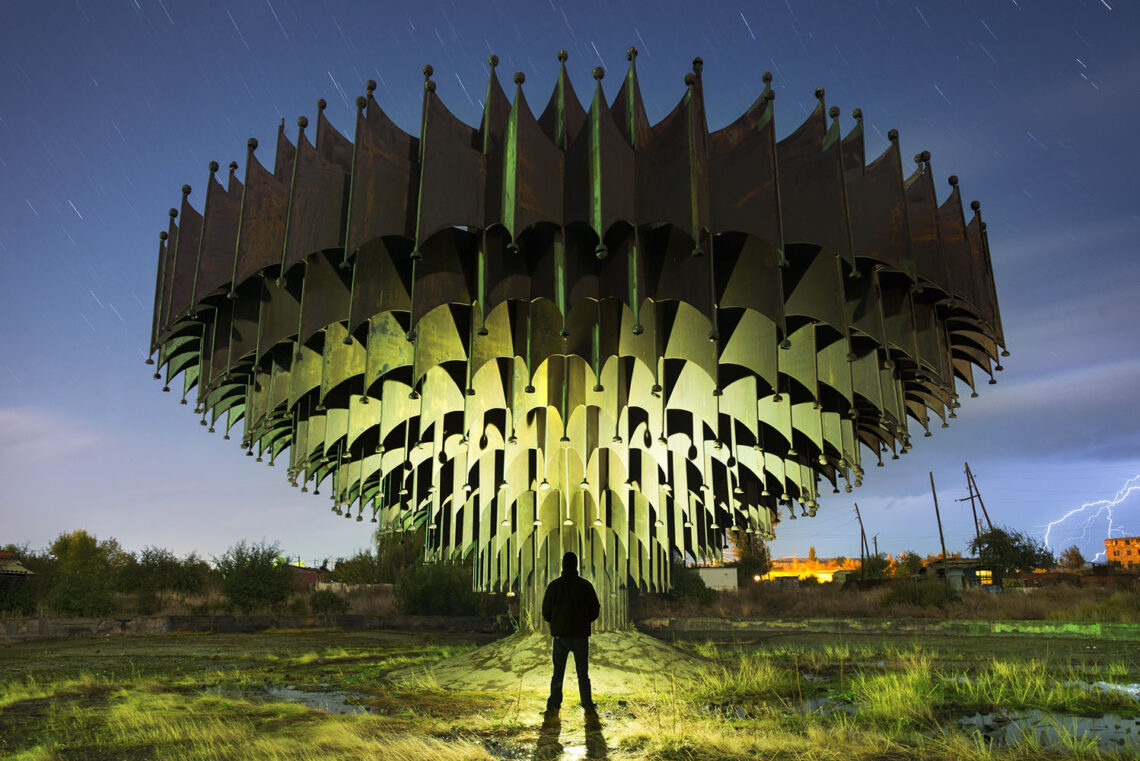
x,y
580,331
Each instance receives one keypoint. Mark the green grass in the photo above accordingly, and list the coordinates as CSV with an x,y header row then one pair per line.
x,y
200,697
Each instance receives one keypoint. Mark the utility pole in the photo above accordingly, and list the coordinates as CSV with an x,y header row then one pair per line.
x,y
941,539
975,490
973,507
863,549
875,538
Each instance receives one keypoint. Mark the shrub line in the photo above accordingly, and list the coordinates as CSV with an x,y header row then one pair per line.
x,y
12,628
1110,631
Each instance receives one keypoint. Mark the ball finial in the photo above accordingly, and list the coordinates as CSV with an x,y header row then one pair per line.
x,y
631,54
428,71
892,135
925,156
233,166
599,72
251,143
493,60
519,77
833,112
857,113
371,86
185,190
302,121
974,205
322,104
690,80
953,180
361,102
213,167
173,213
429,86
819,92
698,64
563,55
163,235
766,77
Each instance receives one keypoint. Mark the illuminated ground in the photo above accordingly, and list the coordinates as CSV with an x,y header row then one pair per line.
x,y
620,664
342,695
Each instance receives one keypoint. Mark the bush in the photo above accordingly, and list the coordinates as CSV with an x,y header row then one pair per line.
x,y
920,594
327,603
443,589
252,577
688,585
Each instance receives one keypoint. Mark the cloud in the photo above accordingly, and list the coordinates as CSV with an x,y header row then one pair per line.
x,y
1078,389
1086,413
31,437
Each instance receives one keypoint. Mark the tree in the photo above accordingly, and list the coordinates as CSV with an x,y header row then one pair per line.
x,y
253,577
361,568
443,589
85,574
1003,550
811,554
397,551
1071,559
876,566
157,570
908,564
751,556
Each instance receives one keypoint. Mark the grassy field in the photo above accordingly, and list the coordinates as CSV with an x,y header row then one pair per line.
x,y
788,696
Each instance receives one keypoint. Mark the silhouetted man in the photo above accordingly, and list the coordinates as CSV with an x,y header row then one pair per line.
x,y
570,605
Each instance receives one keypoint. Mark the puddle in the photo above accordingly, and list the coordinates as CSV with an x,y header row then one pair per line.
x,y
329,702
826,706
1132,690
1005,728
1012,727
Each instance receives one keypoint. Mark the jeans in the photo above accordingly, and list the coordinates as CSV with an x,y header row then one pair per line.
x,y
563,646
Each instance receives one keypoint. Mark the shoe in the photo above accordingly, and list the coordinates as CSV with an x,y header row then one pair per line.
x,y
592,708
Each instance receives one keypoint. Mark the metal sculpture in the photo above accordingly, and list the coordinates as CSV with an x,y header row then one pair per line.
x,y
580,331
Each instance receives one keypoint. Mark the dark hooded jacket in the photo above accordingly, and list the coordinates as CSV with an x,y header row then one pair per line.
x,y
570,604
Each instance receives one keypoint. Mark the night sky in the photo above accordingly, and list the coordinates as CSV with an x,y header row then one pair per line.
x,y
108,106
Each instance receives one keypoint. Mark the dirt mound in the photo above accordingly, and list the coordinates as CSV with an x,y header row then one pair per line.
x,y
620,663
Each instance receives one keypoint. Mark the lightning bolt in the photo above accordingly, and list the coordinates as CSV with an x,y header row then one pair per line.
x,y
1100,506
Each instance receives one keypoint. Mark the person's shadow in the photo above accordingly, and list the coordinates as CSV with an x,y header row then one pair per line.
x,y
548,747
596,749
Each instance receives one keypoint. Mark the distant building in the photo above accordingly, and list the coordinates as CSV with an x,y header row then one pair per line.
x,y
963,573
718,577
11,572
305,579
1124,550
822,570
